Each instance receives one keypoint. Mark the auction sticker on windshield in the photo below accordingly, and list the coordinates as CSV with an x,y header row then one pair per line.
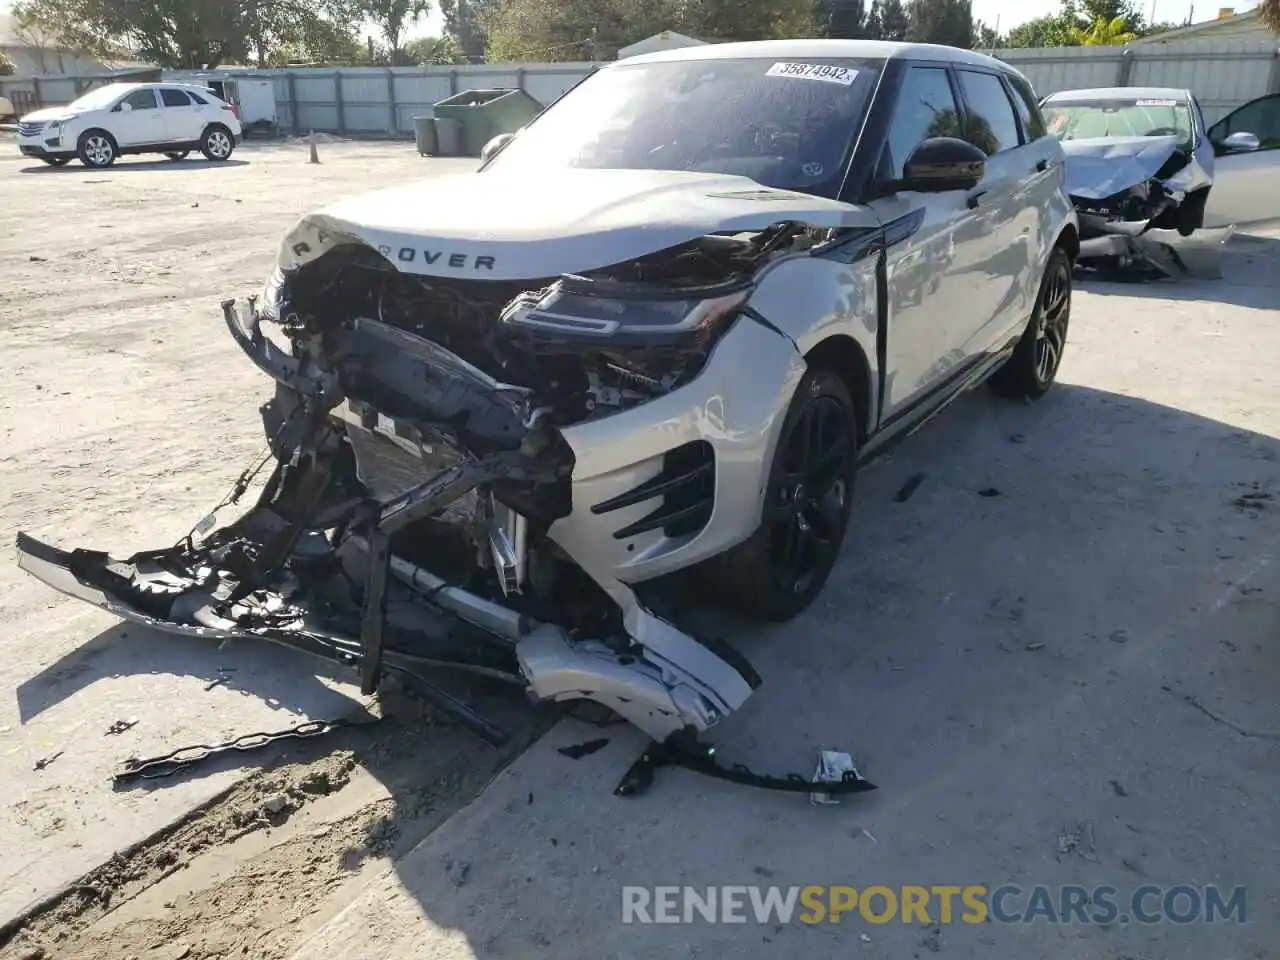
x,y
814,71
1157,103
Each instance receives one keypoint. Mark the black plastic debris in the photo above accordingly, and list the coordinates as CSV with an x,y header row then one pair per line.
x,y
988,492
909,488
119,727
579,750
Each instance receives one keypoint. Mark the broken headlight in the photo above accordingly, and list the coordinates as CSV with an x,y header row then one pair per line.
x,y
613,314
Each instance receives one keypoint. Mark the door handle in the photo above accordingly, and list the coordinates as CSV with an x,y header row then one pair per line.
x,y
1043,165
975,198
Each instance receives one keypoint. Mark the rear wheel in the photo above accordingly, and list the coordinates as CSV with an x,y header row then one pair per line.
x,y
783,567
55,161
96,148
217,143
1030,372
177,155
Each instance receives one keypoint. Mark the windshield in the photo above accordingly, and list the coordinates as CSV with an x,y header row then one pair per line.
x,y
784,124
1083,120
97,99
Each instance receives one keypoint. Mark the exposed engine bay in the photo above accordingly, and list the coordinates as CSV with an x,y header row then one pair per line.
x,y
408,524
584,346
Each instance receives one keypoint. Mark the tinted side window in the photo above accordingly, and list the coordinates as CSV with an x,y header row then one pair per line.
x,y
1261,118
196,98
1025,102
174,98
142,100
926,108
991,125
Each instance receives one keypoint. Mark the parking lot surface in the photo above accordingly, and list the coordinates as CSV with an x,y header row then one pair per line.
x,y
1058,657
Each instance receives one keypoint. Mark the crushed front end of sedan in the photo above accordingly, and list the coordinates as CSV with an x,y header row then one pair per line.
x,y
480,458
1137,160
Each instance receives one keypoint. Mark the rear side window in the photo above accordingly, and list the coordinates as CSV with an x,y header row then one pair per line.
x,y
1024,99
174,98
926,108
144,99
199,100
990,125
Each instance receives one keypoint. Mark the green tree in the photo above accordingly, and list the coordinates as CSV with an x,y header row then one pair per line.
x,y
185,33
985,37
549,30
1055,30
1103,33
429,50
894,21
1091,11
464,23
393,18
840,19
947,22
1269,12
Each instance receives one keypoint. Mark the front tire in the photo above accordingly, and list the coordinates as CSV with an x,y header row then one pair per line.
x,y
97,149
217,144
1191,214
784,565
1031,370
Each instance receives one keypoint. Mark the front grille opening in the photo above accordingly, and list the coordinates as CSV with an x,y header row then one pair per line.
x,y
686,488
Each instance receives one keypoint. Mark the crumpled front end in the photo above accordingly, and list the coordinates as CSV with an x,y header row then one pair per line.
x,y
1125,187
487,476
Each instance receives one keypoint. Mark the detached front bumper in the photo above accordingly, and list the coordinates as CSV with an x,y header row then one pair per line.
x,y
284,572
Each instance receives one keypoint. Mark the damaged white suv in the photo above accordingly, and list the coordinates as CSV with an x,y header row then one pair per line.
x,y
652,337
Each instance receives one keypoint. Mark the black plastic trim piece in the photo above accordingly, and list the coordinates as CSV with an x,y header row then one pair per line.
x,y
656,487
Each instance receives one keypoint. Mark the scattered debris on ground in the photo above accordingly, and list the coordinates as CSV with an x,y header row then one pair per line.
x,y
290,854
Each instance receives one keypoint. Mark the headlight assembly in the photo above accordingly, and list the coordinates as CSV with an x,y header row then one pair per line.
x,y
614,314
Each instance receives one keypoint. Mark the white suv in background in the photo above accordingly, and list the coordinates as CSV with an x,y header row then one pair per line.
x,y
123,118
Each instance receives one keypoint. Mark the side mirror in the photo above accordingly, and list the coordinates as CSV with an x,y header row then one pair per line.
x,y
125,107
1241,142
939,164
495,145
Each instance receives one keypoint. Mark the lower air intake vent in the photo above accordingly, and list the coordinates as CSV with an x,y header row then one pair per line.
x,y
686,490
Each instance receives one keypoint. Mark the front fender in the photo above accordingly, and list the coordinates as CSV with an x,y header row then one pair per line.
x,y
814,298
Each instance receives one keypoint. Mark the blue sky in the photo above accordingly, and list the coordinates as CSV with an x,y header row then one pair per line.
x,y
1009,13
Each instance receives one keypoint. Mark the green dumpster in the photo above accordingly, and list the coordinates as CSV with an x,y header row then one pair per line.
x,y
484,114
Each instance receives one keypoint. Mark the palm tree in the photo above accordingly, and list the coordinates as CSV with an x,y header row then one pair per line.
x,y
1269,11
1110,33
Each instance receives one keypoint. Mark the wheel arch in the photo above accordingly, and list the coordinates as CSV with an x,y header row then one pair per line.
x,y
1069,240
102,130
844,356
216,125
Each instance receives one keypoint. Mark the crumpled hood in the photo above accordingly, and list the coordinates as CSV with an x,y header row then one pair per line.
x,y
1101,167
48,115
535,224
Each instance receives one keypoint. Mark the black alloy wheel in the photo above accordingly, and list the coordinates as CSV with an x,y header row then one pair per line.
x,y
1052,315
783,567
1032,368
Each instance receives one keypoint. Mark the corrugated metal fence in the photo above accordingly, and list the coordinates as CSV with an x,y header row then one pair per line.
x,y
1221,74
373,101
376,101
